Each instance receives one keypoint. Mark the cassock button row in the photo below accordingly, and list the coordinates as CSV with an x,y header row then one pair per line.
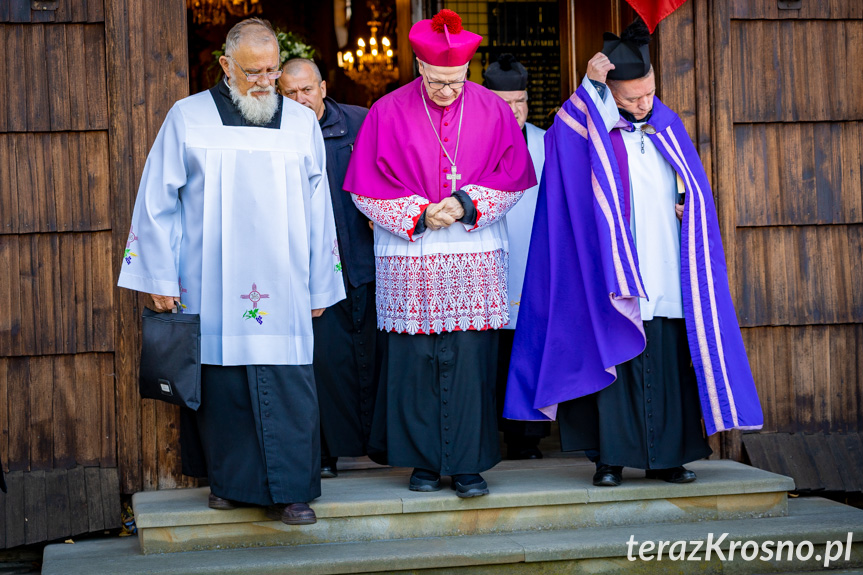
x,y
648,386
266,402
446,428
263,380
446,389
446,139
649,400
446,375
266,414
446,363
444,402
651,429
446,123
446,414
648,370
443,350
651,445
264,392
263,369
653,459
447,442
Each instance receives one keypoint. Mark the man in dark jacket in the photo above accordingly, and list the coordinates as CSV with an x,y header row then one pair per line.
x,y
345,363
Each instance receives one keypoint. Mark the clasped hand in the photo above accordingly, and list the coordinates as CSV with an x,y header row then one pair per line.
x,y
443,214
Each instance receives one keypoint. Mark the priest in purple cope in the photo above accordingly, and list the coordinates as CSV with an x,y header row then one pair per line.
x,y
437,165
627,333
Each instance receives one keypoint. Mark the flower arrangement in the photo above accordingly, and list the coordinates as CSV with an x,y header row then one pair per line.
x,y
290,46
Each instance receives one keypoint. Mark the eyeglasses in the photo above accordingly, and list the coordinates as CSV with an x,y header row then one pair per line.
x,y
441,85
255,77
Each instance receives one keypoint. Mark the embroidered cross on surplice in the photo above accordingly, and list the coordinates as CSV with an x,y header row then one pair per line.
x,y
255,296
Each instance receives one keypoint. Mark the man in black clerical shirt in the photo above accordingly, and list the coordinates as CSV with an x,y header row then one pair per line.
x,y
345,336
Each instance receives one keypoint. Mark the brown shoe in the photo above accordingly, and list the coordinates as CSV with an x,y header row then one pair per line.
x,y
298,514
215,502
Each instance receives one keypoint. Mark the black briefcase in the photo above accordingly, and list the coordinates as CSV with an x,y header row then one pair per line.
x,y
171,358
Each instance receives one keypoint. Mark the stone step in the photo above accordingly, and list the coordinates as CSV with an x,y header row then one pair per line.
x,y
598,551
544,495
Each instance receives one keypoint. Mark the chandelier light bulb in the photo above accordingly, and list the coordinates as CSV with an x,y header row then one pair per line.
x,y
373,41
385,41
361,43
389,53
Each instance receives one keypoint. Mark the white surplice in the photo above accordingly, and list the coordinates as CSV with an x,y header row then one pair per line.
x,y
238,222
519,223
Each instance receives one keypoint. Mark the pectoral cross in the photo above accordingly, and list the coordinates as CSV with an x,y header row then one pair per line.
x,y
453,177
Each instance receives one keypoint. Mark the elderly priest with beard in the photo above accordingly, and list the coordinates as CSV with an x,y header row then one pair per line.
x,y
234,220
438,163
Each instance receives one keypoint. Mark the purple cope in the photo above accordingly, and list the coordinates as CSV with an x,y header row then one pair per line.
x,y
580,315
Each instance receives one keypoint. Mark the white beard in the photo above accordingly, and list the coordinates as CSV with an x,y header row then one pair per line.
x,y
258,110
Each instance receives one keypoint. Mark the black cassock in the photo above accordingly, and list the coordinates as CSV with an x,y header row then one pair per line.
x,y
346,336
515,433
255,436
346,372
650,418
436,402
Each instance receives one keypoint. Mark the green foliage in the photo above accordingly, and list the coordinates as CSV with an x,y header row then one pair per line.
x,y
292,46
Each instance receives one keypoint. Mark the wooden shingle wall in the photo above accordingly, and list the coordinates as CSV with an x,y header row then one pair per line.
x,y
83,91
771,99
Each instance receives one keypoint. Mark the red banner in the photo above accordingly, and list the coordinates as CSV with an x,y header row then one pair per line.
x,y
653,11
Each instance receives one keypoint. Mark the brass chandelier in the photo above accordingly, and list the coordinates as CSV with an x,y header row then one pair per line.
x,y
373,63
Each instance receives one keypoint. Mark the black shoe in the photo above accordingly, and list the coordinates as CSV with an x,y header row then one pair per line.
x,y
469,485
673,475
424,480
525,453
328,468
608,475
